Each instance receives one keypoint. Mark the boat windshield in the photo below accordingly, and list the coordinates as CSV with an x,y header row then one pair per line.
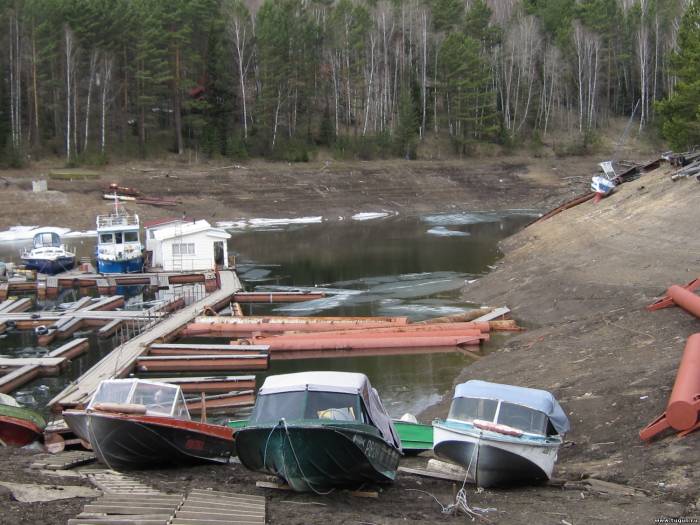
x,y
468,408
159,399
270,408
47,240
521,417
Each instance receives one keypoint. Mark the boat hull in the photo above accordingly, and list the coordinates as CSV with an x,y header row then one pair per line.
x,y
16,432
415,437
126,266
19,426
318,457
493,460
127,441
49,266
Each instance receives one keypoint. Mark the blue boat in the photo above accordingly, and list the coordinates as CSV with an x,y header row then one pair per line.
x,y
119,248
48,255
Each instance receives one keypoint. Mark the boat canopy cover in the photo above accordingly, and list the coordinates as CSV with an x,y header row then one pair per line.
x,y
342,382
529,397
159,399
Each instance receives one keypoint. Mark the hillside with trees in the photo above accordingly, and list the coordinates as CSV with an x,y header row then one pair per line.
x,y
89,80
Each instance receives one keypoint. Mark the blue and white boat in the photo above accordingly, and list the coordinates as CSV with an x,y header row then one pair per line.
x,y
119,248
48,254
501,434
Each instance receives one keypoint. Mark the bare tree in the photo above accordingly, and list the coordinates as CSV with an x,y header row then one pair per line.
x,y
240,29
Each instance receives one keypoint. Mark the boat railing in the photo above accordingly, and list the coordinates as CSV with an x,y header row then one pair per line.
x,y
106,221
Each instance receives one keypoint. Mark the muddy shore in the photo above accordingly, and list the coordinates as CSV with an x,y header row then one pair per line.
x,y
579,282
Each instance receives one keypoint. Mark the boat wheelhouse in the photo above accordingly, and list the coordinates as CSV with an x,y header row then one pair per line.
x,y
136,423
502,434
119,248
320,430
48,254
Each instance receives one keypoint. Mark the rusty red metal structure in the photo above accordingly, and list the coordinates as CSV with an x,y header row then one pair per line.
x,y
667,300
683,409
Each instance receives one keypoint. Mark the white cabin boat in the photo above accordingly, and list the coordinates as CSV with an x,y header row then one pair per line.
x,y
48,254
119,248
502,434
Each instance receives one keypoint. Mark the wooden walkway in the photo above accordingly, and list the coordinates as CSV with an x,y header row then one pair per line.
x,y
121,360
127,501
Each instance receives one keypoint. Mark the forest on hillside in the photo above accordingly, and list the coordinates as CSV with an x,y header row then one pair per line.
x,y
88,80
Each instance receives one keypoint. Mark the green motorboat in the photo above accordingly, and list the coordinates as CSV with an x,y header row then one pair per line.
x,y
320,430
415,437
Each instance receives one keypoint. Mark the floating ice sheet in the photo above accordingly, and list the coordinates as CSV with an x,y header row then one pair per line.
x,y
475,217
368,216
260,223
441,231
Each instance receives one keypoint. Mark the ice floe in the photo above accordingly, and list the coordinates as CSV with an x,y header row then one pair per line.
x,y
475,217
27,233
441,231
368,216
261,222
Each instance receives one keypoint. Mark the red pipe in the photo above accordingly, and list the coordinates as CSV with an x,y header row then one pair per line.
x,y
683,409
685,299
281,343
248,328
415,328
470,332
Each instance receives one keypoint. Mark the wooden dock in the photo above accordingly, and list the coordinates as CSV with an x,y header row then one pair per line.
x,y
122,359
16,372
49,286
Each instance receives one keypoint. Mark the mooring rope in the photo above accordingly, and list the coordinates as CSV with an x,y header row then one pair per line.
x,y
303,476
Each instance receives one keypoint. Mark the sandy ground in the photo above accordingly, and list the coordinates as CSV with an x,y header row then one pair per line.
x,y
579,282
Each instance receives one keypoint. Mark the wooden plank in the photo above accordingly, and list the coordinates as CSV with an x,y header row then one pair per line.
x,y
72,349
223,402
196,502
14,362
210,385
120,362
229,521
108,303
18,377
224,517
143,508
493,314
179,346
221,362
125,520
110,328
20,305
430,474
79,304
272,485
227,495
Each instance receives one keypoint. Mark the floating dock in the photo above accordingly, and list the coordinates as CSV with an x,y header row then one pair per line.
x,y
122,359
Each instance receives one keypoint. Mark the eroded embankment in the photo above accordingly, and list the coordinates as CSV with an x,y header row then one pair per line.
x,y
581,281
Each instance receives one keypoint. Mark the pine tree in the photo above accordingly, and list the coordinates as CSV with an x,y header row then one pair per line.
x,y
680,113
407,130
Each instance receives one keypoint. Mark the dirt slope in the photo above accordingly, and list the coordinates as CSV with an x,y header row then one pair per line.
x,y
580,282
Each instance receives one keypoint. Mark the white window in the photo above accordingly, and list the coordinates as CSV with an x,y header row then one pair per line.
x,y
183,249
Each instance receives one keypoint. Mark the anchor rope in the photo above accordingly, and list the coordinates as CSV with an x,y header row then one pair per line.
x,y
296,458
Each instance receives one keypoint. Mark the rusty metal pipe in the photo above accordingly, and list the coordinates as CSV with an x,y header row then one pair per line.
x,y
683,409
467,332
685,299
232,329
480,327
281,343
